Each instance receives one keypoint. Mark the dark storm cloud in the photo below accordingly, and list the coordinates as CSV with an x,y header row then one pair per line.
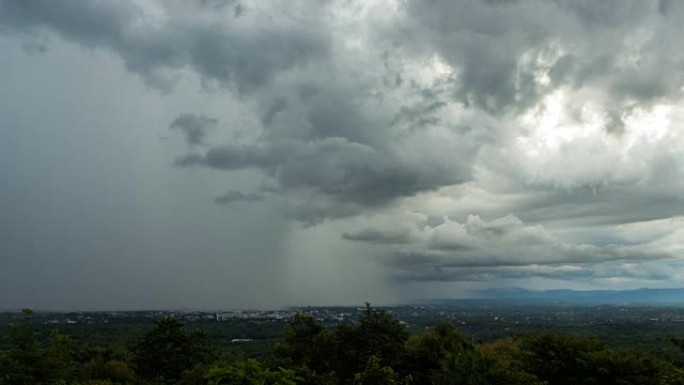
x,y
664,6
235,196
220,4
585,262
222,52
476,117
333,167
520,256
604,207
34,47
378,236
250,60
500,50
194,127
189,160
91,23
442,274
484,42
340,150
564,272
502,248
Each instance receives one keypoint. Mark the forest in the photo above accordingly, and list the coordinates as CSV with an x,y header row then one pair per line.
x,y
375,349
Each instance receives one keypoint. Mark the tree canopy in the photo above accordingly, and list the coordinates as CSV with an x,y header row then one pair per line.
x,y
374,350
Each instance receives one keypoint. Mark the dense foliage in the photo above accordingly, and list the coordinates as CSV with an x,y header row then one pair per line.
x,y
375,350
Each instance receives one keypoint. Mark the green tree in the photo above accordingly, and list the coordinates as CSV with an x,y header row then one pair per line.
x,y
568,359
631,366
560,358
376,334
506,363
59,358
250,372
105,364
307,344
427,354
21,363
463,367
165,352
27,362
310,349
375,374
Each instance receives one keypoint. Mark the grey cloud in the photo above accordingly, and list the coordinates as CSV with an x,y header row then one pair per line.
x,y
230,54
194,127
34,47
608,13
333,167
563,272
337,115
604,198
454,250
479,265
234,196
322,138
477,235
587,183
430,97
378,236
647,271
313,209
443,274
502,51
236,156
275,107
493,255
250,60
484,42
239,10
238,7
609,207
664,6
189,160
218,4
329,144
92,23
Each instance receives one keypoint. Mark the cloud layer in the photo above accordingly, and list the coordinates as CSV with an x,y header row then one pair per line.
x,y
468,140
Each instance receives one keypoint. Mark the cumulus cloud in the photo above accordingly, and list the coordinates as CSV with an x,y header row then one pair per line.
x,y
334,167
194,127
504,247
379,236
157,45
519,134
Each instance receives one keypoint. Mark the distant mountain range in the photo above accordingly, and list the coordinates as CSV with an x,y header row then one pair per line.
x,y
518,296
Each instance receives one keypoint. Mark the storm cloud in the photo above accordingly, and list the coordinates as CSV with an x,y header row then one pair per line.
x,y
234,196
445,141
193,127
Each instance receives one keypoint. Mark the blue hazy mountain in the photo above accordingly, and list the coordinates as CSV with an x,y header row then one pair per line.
x,y
518,296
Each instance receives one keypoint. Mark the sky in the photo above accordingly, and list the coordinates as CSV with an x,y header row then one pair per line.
x,y
207,154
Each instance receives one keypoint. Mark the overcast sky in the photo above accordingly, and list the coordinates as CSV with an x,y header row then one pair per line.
x,y
228,153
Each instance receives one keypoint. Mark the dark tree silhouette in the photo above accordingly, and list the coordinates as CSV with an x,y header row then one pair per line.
x,y
165,352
